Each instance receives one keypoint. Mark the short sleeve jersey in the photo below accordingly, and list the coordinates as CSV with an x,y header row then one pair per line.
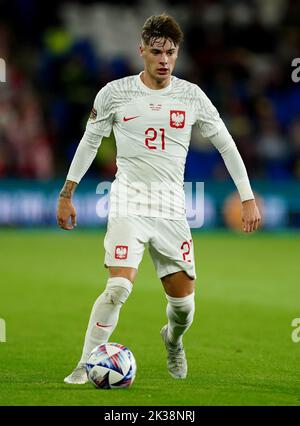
x,y
152,129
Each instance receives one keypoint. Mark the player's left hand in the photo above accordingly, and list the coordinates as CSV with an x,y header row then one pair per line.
x,y
250,216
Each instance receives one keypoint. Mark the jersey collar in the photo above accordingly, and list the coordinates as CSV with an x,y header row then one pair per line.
x,y
154,91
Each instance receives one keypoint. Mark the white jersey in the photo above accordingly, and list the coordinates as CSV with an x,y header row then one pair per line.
x,y
152,129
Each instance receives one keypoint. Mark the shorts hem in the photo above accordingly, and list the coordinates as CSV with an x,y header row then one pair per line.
x,y
173,270
121,265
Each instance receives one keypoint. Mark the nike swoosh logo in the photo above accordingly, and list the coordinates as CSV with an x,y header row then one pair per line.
x,y
130,118
98,324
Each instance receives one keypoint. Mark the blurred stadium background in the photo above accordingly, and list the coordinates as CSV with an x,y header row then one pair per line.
x,y
59,54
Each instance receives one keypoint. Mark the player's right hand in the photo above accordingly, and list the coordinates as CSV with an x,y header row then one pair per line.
x,y
65,211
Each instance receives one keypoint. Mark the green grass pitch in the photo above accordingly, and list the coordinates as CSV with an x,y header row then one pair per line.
x,y
239,349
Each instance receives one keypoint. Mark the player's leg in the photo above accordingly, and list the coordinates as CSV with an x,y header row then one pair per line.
x,y
103,318
178,284
105,312
179,289
122,271
173,257
123,253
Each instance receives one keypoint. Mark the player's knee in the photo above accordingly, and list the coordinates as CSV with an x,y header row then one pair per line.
x,y
117,290
183,308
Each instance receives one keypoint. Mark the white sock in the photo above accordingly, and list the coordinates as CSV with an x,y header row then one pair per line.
x,y
105,314
180,313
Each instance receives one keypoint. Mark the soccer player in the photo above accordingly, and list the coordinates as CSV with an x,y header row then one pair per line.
x,y
152,115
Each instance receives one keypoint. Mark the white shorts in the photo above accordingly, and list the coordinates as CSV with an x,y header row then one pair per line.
x,y
170,244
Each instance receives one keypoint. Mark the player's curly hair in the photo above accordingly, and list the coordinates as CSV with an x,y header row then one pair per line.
x,y
161,26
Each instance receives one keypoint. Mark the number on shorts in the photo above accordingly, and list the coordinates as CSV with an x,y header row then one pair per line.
x,y
186,245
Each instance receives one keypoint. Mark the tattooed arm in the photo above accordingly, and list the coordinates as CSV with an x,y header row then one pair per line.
x,y
68,189
65,208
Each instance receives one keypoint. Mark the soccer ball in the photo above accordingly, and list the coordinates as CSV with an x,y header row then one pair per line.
x,y
111,366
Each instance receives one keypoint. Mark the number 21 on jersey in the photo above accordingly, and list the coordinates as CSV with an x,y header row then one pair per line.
x,y
155,136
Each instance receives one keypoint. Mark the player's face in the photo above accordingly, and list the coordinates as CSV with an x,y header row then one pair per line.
x,y
159,60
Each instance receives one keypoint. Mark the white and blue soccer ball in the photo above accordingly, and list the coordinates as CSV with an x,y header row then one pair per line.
x,y
111,366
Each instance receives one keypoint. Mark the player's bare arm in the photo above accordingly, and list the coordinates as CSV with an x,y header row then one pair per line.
x,y
250,216
65,208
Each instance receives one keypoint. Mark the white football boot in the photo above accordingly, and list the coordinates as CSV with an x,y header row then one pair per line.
x,y
78,376
176,360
